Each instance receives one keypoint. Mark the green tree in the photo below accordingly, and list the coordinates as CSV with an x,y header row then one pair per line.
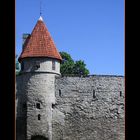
x,y
69,67
67,64
17,65
80,68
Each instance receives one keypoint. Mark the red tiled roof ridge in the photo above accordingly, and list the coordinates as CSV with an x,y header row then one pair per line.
x,y
40,43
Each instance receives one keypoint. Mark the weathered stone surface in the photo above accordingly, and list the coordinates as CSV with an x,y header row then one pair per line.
x,y
45,65
90,108
33,89
87,116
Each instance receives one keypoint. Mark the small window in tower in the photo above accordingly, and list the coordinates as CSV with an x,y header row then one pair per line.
x,y
37,65
22,66
94,94
38,105
53,106
24,106
53,65
120,93
39,117
59,92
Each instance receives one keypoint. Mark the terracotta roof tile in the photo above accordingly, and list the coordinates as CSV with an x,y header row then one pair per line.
x,y
40,43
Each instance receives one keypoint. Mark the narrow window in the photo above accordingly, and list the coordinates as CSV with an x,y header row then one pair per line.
x,y
59,92
38,105
120,93
22,66
94,95
24,106
53,65
39,116
53,105
37,65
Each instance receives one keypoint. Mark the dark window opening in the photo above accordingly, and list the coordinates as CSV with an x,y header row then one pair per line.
x,y
39,116
53,65
22,66
37,65
59,92
94,94
53,105
120,93
24,106
38,105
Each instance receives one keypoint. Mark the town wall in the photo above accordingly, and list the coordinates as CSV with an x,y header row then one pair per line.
x,y
77,108
89,108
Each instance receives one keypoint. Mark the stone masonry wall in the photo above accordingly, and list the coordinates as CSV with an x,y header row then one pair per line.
x,y
33,89
45,65
90,108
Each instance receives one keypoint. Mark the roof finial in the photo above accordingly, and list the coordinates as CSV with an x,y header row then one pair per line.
x,y
40,18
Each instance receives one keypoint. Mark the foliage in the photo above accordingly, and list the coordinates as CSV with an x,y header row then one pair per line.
x,y
69,67
17,66
80,68
67,64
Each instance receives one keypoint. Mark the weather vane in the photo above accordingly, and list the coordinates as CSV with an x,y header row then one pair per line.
x,y
40,8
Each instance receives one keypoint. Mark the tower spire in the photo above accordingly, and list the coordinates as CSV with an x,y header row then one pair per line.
x,y
40,18
40,8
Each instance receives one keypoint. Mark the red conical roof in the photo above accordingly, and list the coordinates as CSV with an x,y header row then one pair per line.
x,y
40,43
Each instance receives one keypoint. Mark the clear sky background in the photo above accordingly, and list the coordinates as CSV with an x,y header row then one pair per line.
x,y
90,30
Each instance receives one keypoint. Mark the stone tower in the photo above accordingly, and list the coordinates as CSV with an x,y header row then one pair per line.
x,y
40,63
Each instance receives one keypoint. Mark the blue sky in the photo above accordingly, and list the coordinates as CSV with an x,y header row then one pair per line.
x,y
90,30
